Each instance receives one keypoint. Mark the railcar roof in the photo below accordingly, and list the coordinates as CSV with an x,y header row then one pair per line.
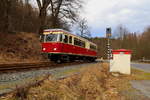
x,y
61,30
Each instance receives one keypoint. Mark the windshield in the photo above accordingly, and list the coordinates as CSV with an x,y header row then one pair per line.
x,y
51,37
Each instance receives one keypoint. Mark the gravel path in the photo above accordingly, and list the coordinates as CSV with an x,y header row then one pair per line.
x,y
143,86
8,82
144,67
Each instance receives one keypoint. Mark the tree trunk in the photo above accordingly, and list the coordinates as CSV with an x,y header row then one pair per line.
x,y
42,19
7,15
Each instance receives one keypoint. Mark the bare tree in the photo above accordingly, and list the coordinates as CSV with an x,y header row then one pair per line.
x,y
19,15
83,28
43,5
62,11
144,45
120,32
6,6
58,10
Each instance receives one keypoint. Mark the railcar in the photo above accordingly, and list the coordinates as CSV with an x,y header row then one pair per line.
x,y
61,45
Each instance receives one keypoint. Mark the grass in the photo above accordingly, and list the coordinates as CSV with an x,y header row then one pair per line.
x,y
66,72
140,75
88,85
12,85
93,83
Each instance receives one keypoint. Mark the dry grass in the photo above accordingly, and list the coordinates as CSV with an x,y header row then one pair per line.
x,y
140,75
85,86
20,47
93,83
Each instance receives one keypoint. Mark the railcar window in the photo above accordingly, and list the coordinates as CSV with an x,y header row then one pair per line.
x,y
83,44
70,39
51,37
93,47
75,41
79,42
66,39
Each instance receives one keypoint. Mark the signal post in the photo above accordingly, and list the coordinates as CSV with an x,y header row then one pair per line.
x,y
108,36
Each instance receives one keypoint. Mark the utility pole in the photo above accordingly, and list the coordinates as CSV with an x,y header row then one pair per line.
x,y
108,35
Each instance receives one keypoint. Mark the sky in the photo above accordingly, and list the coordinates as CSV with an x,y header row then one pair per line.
x,y
133,14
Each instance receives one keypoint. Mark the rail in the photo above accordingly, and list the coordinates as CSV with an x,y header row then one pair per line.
x,y
28,66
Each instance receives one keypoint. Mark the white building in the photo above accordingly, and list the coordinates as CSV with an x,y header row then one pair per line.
x,y
121,61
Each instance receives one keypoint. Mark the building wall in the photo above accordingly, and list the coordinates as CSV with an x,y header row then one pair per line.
x,y
120,63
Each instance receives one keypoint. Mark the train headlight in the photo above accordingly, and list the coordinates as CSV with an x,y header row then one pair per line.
x,y
55,49
44,49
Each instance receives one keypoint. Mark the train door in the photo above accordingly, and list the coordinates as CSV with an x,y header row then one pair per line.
x,y
65,48
71,44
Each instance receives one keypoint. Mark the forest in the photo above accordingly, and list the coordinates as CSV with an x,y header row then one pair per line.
x,y
32,16
137,42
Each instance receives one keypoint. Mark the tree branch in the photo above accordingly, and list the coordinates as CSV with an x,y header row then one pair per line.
x,y
39,4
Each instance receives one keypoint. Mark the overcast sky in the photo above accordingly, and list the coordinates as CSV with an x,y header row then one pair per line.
x,y
134,14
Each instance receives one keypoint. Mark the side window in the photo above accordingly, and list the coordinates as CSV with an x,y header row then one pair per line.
x,y
60,37
92,47
83,44
76,41
66,39
70,39
79,42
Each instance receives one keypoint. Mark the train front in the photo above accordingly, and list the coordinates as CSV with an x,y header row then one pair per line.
x,y
51,42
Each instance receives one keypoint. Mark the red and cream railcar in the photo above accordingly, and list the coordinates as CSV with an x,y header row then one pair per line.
x,y
61,45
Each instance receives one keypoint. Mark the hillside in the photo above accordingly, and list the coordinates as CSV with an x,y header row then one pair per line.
x,y
20,47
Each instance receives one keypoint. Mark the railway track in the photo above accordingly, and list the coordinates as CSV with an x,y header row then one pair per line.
x,y
29,66
4,67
